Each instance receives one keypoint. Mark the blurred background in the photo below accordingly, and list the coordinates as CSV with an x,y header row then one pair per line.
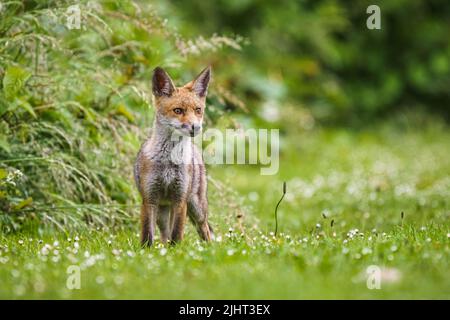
x,y
75,101
364,147
320,56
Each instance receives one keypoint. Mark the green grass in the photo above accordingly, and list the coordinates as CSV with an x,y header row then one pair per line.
x,y
337,181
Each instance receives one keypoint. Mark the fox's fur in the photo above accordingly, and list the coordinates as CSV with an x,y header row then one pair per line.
x,y
170,191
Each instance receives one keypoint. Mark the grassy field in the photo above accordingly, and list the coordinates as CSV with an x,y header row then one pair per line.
x,y
354,199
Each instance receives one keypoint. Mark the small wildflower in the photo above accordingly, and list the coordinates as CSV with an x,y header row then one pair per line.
x,y
100,279
44,251
253,196
118,280
352,233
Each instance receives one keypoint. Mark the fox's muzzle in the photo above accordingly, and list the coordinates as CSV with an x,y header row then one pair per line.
x,y
193,129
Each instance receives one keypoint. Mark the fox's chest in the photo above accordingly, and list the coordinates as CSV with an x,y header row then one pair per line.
x,y
172,181
171,175
168,175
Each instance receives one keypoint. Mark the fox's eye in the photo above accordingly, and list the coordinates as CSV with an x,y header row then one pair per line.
x,y
198,110
178,110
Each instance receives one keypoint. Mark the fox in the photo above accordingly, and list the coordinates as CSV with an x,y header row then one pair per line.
x,y
172,191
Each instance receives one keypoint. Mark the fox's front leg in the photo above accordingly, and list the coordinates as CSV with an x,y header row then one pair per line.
x,y
179,212
198,214
148,213
164,223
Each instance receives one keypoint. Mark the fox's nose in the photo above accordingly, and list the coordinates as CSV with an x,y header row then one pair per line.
x,y
193,128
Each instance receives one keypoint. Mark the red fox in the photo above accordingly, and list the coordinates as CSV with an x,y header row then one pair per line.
x,y
172,191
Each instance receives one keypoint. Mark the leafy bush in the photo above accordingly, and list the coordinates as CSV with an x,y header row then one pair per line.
x,y
72,102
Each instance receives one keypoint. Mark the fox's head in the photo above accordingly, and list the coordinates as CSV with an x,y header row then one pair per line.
x,y
180,108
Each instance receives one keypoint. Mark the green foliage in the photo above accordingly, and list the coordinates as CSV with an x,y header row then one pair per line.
x,y
75,105
13,81
73,102
342,213
326,59
411,259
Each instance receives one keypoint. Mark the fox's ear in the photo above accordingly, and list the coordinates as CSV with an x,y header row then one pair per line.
x,y
200,84
161,83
